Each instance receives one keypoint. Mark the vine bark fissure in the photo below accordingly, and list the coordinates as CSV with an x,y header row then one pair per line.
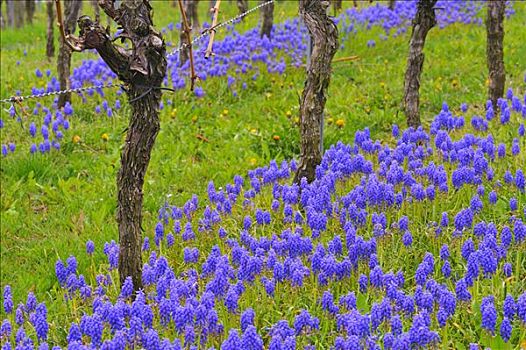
x,y
142,69
423,22
495,49
324,34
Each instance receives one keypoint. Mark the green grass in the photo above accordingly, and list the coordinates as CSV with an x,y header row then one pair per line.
x,y
51,205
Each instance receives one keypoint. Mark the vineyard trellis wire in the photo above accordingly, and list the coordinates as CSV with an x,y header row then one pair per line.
x,y
206,32
14,99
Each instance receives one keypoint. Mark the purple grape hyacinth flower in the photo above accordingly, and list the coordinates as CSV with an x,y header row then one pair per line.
x,y
505,329
251,339
489,314
90,247
8,300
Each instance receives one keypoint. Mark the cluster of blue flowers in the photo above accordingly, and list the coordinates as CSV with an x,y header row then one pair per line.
x,y
392,242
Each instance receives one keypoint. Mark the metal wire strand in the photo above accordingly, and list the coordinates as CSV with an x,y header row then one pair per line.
x,y
14,99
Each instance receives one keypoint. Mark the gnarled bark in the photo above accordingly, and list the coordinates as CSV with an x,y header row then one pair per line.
x,y
71,13
135,157
267,14
142,70
50,44
422,23
324,36
495,49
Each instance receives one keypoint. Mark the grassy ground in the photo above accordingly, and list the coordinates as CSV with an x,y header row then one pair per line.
x,y
51,205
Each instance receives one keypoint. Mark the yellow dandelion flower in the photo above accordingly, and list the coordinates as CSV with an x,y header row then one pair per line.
x,y
76,139
288,113
105,137
330,121
276,137
340,123
225,111
253,161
